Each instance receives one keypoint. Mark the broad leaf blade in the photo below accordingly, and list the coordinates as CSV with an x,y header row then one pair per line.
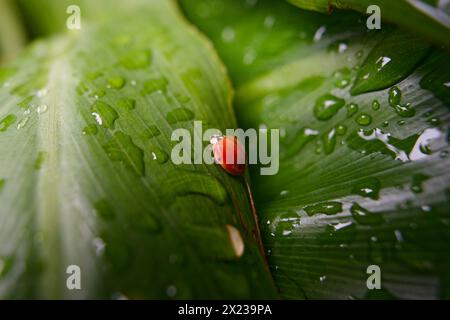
x,y
361,183
85,131
430,19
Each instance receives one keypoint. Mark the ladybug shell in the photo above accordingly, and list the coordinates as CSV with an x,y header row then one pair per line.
x,y
230,154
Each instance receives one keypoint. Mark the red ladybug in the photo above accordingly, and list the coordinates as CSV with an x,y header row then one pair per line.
x,y
230,154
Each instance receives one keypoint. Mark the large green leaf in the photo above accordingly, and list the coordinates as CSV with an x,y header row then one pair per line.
x,y
85,126
429,18
364,175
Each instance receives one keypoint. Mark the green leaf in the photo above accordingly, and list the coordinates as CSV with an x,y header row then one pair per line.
x,y
361,183
85,176
390,61
428,18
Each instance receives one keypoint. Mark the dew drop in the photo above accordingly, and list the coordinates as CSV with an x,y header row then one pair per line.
x,y
333,228
7,121
343,83
328,208
81,88
98,93
121,148
40,159
94,75
90,129
369,188
403,110
136,60
181,98
364,216
26,103
152,131
104,114
364,119
376,105
352,109
343,78
395,96
338,46
327,106
159,155
116,82
154,85
42,109
434,121
126,104
329,141
179,115
417,181
303,137
285,223
193,183
341,130
22,123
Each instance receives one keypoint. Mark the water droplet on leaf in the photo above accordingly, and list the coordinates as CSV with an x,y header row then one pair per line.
x,y
364,119
155,85
126,104
369,187
104,114
90,129
7,121
159,155
179,115
364,216
327,106
328,208
116,82
121,148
